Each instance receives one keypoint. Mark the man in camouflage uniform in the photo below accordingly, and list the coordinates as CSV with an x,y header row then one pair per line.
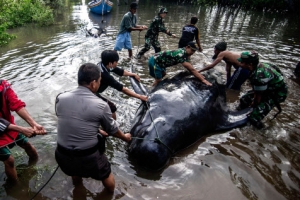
x,y
269,88
151,38
160,61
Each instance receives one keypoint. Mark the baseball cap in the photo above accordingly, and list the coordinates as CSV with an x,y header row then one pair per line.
x,y
248,56
192,45
222,46
133,5
163,10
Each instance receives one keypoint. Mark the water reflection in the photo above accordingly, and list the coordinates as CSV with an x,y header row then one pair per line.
x,y
239,164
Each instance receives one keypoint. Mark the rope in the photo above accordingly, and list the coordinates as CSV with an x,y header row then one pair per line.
x,y
157,139
45,183
15,141
138,138
11,143
137,51
204,55
103,3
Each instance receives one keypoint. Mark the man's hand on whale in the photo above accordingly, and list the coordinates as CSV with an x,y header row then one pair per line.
x,y
189,67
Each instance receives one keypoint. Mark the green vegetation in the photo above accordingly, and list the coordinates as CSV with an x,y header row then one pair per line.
x,y
14,13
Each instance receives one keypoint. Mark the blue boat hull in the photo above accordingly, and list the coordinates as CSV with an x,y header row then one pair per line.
x,y
100,7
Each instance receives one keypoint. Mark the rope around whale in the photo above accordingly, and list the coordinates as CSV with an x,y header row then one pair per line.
x,y
157,139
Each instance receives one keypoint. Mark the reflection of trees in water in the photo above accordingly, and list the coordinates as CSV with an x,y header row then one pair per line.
x,y
269,168
281,5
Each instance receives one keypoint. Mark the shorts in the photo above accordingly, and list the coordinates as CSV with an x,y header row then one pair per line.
x,y
154,70
5,152
123,41
239,76
94,165
111,105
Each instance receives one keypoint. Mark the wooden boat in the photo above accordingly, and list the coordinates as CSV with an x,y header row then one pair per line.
x,y
100,7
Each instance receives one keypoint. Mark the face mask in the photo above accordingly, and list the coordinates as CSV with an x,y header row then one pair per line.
x,y
110,69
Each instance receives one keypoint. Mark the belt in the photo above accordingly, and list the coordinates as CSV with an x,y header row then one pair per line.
x,y
76,152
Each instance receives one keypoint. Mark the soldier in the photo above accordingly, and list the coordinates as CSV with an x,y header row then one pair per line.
x,y
151,38
269,88
160,61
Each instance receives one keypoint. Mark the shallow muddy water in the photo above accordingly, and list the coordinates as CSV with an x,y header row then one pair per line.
x,y
244,163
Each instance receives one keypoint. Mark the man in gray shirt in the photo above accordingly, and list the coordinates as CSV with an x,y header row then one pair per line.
x,y
80,114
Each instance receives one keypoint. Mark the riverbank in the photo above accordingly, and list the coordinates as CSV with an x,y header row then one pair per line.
x,y
18,13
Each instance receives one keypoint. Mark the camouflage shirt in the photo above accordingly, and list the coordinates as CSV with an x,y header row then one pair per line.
x,y
266,78
169,58
157,25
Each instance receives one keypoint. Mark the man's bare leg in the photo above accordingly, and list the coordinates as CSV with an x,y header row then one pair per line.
x,y
109,183
77,180
10,169
156,82
130,53
114,116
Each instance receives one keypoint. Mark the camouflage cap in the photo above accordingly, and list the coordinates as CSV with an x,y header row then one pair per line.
x,y
163,10
248,56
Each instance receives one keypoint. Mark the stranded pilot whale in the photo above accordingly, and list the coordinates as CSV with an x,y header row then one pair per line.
x,y
180,111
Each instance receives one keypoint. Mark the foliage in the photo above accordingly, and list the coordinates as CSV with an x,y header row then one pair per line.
x,y
4,37
14,13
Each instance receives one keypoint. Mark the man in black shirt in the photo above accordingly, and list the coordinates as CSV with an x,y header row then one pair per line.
x,y
189,33
109,64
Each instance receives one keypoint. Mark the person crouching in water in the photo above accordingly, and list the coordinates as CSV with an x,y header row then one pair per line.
x,y
239,76
269,88
109,62
160,61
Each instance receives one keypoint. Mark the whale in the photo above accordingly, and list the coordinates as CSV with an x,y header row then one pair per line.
x,y
180,110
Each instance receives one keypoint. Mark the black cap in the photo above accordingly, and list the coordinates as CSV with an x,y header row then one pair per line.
x,y
221,46
133,5
193,46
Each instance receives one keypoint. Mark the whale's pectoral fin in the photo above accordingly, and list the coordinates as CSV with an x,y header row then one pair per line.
x,y
233,119
137,86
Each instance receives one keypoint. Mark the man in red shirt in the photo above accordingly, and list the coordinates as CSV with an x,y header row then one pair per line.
x,y
11,134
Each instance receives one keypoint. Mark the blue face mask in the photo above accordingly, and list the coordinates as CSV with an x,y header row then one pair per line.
x,y
110,69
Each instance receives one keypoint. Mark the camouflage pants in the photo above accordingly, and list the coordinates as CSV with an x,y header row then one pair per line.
x,y
267,103
151,41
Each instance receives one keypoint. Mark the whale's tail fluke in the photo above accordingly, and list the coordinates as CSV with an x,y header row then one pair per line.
x,y
233,119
